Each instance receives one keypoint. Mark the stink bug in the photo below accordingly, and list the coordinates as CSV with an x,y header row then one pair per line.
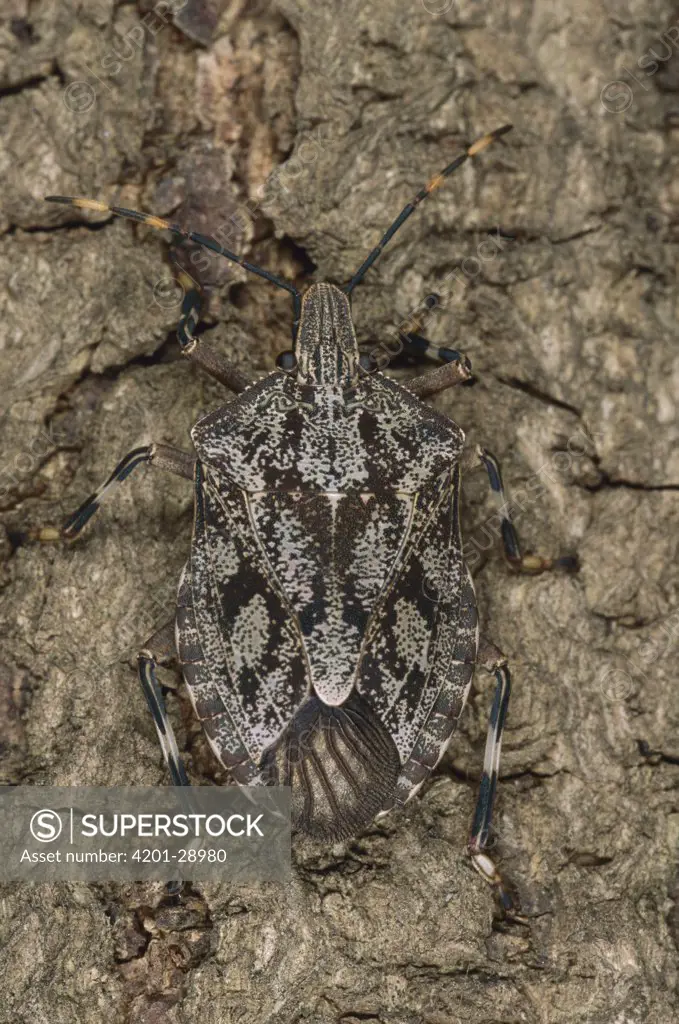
x,y
326,513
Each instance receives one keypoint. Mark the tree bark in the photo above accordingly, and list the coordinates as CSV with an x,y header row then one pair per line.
x,y
295,132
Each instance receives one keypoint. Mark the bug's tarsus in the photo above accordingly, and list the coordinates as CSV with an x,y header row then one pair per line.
x,y
420,348
530,565
160,646
146,662
161,456
189,316
483,813
417,348
432,185
34,535
199,351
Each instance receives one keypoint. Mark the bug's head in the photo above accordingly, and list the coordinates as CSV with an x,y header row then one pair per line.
x,y
326,351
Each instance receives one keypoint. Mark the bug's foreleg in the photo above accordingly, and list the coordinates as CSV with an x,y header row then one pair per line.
x,y
457,368
161,456
456,371
529,564
421,349
483,813
199,351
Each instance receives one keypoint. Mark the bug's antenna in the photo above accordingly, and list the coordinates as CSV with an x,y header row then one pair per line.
x,y
189,236
430,187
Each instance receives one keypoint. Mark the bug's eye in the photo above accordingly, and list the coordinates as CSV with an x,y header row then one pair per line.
x,y
286,360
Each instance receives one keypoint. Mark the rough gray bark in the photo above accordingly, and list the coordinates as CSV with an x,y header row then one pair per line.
x,y
329,117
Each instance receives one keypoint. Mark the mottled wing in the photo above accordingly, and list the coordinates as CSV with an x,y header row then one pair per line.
x,y
247,634
422,639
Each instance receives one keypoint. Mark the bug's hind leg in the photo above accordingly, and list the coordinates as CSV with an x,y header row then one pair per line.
x,y
494,662
529,564
157,647
159,455
199,351
160,647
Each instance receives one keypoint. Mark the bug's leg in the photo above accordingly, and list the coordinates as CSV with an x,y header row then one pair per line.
x,y
530,564
495,663
421,350
457,368
159,647
457,371
161,456
199,351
